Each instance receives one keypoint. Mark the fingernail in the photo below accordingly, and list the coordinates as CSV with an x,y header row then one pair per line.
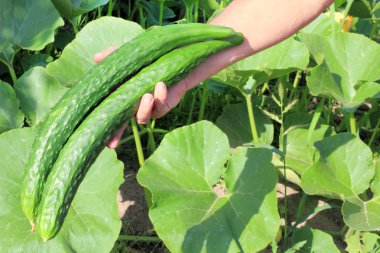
x,y
147,98
161,86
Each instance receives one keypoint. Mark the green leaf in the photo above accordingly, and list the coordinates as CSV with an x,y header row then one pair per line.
x,y
344,168
235,123
363,242
361,9
317,241
321,26
27,24
209,6
296,247
96,36
375,185
376,12
73,8
371,241
353,243
281,59
194,210
349,67
10,114
300,151
92,224
152,12
32,60
38,93
362,215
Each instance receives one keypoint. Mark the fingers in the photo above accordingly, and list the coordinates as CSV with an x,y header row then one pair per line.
x,y
145,108
115,140
161,102
160,105
98,57
167,100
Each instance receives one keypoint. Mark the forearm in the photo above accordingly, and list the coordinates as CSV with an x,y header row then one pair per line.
x,y
263,23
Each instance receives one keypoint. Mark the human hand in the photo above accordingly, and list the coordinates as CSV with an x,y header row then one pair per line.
x,y
153,105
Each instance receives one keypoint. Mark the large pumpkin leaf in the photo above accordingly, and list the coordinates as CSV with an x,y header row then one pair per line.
x,y
235,123
317,241
38,93
362,215
345,170
349,67
96,36
194,210
10,114
92,224
72,8
300,150
299,146
27,24
276,61
322,26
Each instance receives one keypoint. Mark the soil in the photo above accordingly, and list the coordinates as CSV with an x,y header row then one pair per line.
x,y
132,207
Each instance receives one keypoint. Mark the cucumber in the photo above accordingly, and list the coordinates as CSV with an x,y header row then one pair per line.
x,y
90,138
91,89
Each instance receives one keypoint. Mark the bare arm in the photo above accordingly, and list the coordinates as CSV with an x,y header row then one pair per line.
x,y
263,23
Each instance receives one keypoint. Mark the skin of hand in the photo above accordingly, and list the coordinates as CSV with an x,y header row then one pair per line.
x,y
263,23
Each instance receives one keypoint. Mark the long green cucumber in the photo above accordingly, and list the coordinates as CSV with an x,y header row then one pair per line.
x,y
90,138
92,88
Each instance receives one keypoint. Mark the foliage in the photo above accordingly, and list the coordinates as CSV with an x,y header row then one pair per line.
x,y
194,209
92,224
306,108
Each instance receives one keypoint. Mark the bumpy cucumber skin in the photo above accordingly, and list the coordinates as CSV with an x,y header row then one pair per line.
x,y
102,123
93,87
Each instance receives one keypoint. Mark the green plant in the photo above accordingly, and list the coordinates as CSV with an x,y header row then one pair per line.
x,y
305,111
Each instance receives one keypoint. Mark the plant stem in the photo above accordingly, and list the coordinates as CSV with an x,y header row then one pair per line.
x,y
345,13
283,148
316,116
99,11
160,19
285,196
141,13
296,81
196,11
332,18
144,131
74,24
374,134
263,89
255,136
203,101
190,117
139,150
373,31
10,68
151,142
110,7
353,123
139,238
140,155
